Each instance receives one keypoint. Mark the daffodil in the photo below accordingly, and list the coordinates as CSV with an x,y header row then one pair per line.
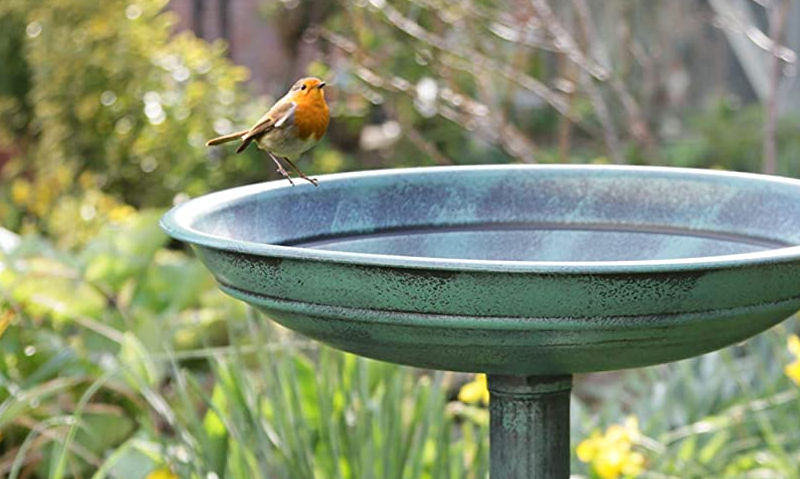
x,y
793,369
161,473
475,391
611,454
589,447
634,464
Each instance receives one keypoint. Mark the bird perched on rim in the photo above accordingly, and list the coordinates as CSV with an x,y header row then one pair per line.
x,y
291,127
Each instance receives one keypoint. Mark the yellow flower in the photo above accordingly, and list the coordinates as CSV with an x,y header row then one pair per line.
x,y
161,473
611,454
634,465
120,212
43,194
793,370
588,448
20,192
475,391
617,434
794,345
608,463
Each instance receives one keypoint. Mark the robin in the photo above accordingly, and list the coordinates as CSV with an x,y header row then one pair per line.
x,y
291,127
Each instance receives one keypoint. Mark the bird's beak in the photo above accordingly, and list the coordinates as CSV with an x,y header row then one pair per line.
x,y
321,84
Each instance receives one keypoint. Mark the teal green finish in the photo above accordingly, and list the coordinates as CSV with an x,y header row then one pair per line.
x,y
543,286
530,427
528,273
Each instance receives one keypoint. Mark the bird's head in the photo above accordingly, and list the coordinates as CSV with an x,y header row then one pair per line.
x,y
308,89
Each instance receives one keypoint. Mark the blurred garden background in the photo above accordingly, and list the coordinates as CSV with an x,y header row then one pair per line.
x,y
119,358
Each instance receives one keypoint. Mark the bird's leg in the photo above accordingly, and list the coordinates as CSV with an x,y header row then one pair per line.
x,y
313,181
281,170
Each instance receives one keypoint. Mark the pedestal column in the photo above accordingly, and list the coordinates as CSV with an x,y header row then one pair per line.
x,y
529,427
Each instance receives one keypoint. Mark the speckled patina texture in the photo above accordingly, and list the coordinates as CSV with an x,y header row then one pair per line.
x,y
530,427
525,270
528,273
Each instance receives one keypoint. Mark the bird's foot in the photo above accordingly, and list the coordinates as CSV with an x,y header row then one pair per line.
x,y
302,175
285,175
313,181
281,169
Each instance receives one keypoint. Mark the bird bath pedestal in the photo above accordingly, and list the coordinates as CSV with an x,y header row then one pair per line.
x,y
527,273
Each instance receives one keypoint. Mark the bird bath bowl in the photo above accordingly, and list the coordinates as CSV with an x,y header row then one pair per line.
x,y
527,273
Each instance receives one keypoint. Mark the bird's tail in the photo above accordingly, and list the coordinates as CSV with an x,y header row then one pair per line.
x,y
224,139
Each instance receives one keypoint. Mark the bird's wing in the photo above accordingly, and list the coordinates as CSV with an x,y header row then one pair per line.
x,y
276,117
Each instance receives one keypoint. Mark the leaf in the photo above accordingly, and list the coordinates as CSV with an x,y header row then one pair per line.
x,y
122,251
101,432
48,287
713,447
173,282
139,366
216,432
306,380
687,449
129,460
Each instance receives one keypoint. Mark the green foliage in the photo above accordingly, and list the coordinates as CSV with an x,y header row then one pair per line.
x,y
126,353
730,136
115,94
727,414
15,110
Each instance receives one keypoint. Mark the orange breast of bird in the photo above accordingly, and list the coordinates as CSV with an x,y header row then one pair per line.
x,y
311,117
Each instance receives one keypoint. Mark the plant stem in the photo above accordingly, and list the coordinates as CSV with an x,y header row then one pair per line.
x,y
777,22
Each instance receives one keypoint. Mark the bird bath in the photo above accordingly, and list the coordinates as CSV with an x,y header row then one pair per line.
x,y
527,273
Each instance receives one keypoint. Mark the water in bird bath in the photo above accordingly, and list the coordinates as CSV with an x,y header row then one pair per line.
x,y
545,242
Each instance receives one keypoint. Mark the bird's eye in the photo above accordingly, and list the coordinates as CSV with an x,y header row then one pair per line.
x,y
303,87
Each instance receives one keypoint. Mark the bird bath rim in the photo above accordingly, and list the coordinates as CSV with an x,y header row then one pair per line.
x,y
177,222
